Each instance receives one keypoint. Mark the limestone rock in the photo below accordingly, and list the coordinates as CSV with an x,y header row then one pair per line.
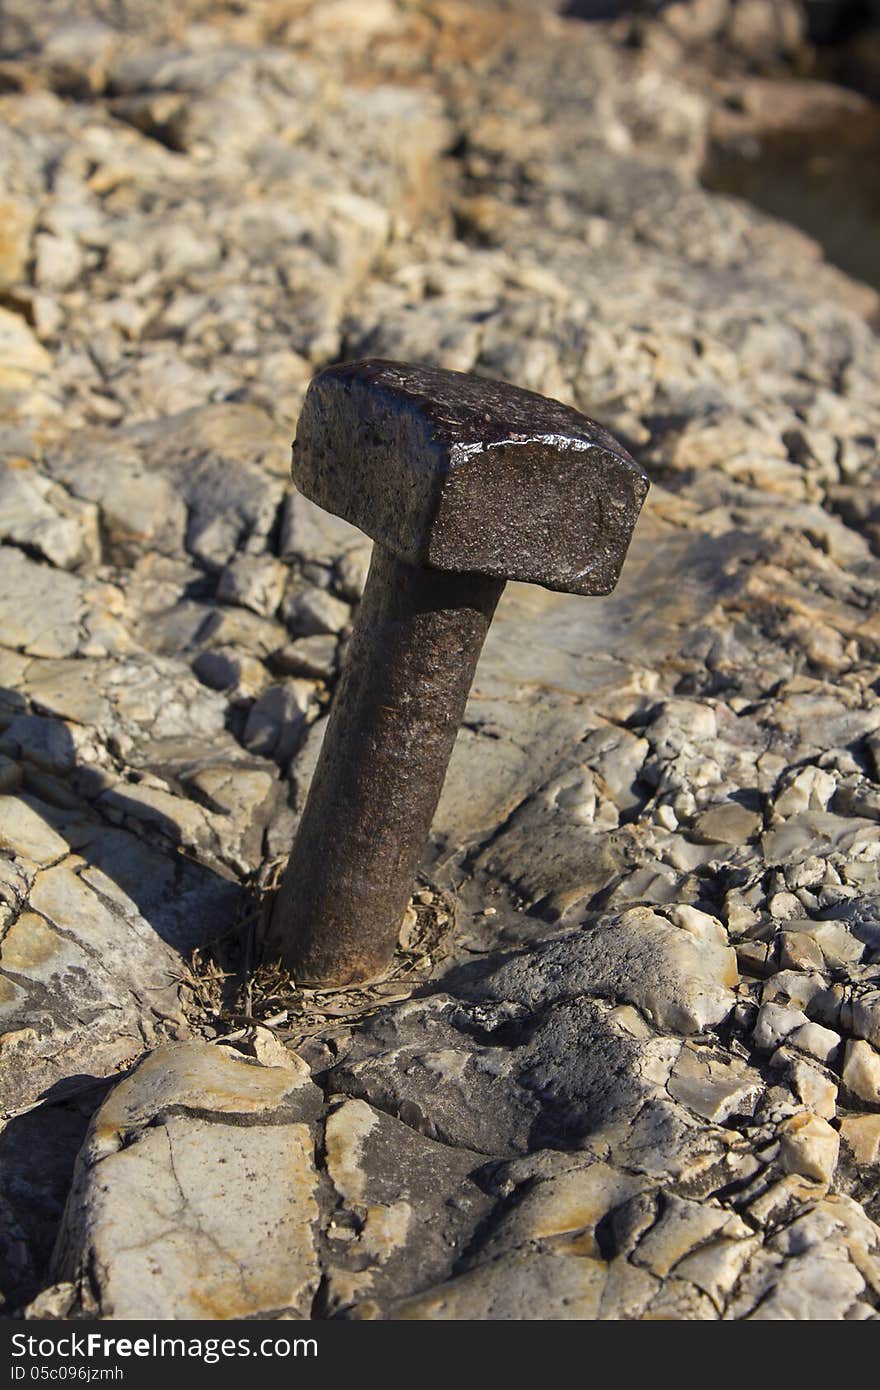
x,y
678,981
165,1210
582,1109
311,612
89,971
408,1206
861,1135
861,1071
809,1146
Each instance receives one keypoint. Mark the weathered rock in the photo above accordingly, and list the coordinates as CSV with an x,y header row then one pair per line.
x,y
253,582
680,982
861,1135
809,1145
309,656
277,721
311,612
165,1218
861,1071
92,959
585,1112
41,609
407,1206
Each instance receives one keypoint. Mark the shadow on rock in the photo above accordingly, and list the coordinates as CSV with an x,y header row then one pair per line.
x,y
37,1156
104,901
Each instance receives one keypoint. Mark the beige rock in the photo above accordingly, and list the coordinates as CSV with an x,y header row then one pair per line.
x,y
728,824
861,1134
519,1285
16,221
861,1071
797,951
346,1129
782,906
774,1023
21,357
684,1226
181,820
679,1300
386,1230
58,261
35,950
821,1043
810,790
168,1202
811,1084
573,1202
628,1291
25,832
838,946
809,1146
792,987
712,1088
776,1203
864,1017
717,1266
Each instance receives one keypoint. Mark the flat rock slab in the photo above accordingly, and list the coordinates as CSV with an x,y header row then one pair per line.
x,y
503,1079
173,1213
406,1207
680,982
94,951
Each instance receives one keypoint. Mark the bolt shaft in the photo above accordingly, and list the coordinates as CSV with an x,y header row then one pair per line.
x,y
395,717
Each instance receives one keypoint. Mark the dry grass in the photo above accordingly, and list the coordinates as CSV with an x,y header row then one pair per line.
x,y
228,990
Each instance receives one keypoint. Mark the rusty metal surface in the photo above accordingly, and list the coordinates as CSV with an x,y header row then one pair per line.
x,y
464,483
390,735
469,475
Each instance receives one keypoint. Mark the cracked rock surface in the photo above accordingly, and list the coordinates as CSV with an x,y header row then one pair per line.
x,y
635,1070
183,1143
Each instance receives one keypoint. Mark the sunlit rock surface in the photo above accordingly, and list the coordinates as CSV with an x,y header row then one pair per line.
x,y
640,1076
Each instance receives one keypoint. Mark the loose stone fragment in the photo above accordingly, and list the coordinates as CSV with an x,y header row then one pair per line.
x,y
774,1024
811,1084
861,1071
312,612
809,1146
863,1016
861,1135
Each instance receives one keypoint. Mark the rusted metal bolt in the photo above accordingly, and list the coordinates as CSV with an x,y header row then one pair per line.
x,y
463,483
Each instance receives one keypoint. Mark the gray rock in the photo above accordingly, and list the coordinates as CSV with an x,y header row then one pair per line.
x,y
311,612
41,609
253,582
91,963
680,982
407,1207
499,1079
164,1208
214,456
309,656
277,721
308,533
42,517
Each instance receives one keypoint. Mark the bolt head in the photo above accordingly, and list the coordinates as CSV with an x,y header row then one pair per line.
x,y
466,475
